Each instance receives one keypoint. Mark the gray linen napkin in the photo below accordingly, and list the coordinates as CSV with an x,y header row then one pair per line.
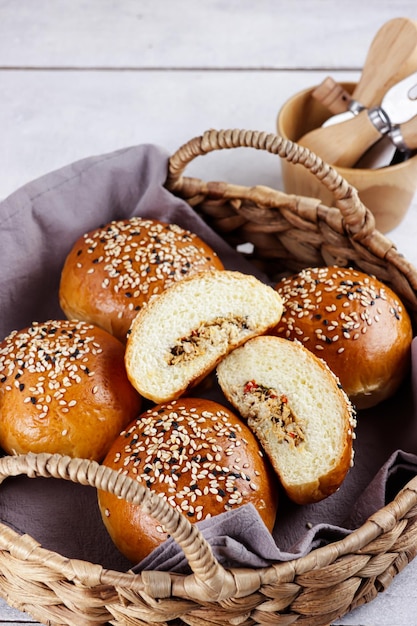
x,y
38,225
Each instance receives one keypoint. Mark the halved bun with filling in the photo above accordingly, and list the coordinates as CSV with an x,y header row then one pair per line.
x,y
295,406
181,335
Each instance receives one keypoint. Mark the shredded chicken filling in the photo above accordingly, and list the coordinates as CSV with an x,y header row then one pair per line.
x,y
219,331
268,402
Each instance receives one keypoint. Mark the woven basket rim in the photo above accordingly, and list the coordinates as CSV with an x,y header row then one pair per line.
x,y
87,472
220,584
348,213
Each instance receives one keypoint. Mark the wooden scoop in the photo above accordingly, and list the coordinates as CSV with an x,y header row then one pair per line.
x,y
392,56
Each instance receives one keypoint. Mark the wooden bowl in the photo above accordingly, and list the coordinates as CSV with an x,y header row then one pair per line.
x,y
387,191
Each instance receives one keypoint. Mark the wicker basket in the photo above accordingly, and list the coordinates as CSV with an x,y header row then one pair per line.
x,y
287,233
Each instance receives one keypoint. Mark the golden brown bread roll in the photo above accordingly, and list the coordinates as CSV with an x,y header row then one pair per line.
x,y
355,323
200,457
294,405
112,271
63,389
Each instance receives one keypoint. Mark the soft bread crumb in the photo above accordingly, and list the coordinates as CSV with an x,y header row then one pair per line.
x,y
182,334
313,451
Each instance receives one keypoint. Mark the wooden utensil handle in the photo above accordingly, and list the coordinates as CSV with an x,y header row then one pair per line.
x,y
343,144
391,57
333,96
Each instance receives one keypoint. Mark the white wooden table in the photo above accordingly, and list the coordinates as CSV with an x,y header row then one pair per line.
x,y
79,78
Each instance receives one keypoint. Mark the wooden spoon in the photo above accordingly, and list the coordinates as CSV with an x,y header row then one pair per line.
x,y
334,97
392,56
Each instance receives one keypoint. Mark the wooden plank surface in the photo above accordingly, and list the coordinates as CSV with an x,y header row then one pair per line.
x,y
184,33
79,78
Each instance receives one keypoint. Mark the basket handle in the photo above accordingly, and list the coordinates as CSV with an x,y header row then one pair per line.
x,y
210,579
358,219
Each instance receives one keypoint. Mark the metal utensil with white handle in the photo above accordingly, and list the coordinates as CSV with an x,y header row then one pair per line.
x,y
344,143
396,146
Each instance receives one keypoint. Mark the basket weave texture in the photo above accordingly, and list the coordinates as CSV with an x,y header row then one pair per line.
x,y
287,233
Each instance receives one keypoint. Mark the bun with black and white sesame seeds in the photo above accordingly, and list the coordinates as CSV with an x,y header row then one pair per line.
x,y
63,389
179,338
112,271
196,454
355,323
294,405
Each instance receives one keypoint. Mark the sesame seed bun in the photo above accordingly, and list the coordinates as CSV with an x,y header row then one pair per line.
x,y
196,454
355,323
63,389
112,271
294,405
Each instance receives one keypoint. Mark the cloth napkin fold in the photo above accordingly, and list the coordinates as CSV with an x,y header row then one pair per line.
x,y
241,539
38,225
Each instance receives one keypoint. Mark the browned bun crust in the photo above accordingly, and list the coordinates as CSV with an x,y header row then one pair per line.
x,y
112,271
63,389
355,323
181,449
